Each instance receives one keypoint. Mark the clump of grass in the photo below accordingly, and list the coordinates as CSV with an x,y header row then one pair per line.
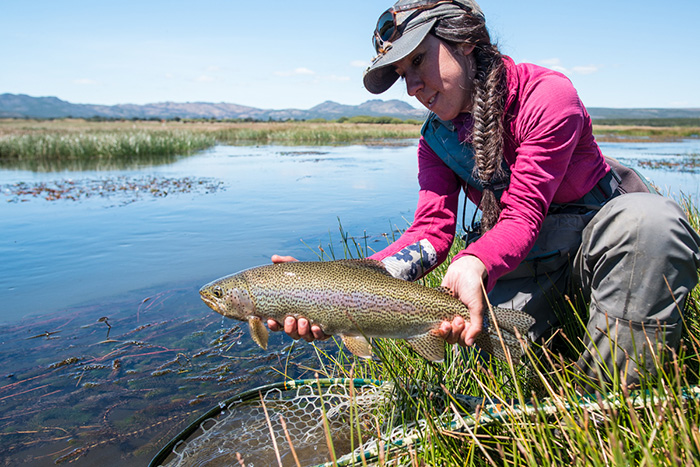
x,y
314,133
118,145
532,414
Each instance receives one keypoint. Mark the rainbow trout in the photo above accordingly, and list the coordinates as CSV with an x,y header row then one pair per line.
x,y
356,299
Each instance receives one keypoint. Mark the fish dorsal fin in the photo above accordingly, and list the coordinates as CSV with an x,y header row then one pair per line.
x,y
446,290
258,331
428,346
366,263
358,345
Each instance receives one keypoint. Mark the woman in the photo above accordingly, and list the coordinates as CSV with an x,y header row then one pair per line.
x,y
555,212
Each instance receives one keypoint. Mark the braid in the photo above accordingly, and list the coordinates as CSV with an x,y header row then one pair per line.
x,y
487,134
488,105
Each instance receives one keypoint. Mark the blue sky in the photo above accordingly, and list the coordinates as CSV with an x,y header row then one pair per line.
x,y
284,54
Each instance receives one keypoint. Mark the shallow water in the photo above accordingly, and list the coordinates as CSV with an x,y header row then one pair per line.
x,y
134,244
262,200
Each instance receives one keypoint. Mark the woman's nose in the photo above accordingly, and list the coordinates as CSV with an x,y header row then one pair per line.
x,y
413,83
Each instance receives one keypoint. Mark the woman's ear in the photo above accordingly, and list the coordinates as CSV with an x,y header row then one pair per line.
x,y
466,49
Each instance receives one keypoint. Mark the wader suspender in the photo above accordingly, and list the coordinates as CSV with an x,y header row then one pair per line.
x,y
443,139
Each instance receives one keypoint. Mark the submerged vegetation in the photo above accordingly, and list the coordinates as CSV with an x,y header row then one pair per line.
x,y
76,139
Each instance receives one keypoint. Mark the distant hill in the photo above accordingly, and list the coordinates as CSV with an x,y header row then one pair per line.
x,y
23,106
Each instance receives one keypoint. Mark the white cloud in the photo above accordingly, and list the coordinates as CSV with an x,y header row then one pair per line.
x,y
359,64
204,79
585,70
85,82
556,65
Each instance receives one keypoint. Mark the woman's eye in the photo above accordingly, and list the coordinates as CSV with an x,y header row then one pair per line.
x,y
417,60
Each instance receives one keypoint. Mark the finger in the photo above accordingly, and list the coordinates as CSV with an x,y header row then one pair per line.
x,y
304,329
290,327
476,325
458,326
273,325
445,331
282,259
318,333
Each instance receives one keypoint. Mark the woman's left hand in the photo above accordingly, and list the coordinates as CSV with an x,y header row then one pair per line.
x,y
465,277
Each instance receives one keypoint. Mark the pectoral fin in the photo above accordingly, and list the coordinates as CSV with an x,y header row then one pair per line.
x,y
358,345
258,331
428,346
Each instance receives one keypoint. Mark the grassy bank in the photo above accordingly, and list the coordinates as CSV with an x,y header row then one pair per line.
x,y
78,139
533,414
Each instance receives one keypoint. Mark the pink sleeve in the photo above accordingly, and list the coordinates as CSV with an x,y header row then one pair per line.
x,y
545,131
435,216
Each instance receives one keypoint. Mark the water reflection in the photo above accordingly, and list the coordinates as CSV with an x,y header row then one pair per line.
x,y
83,165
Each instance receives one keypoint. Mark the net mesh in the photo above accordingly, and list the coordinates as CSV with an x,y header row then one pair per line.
x,y
312,413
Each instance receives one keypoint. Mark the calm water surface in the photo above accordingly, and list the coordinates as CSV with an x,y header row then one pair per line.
x,y
74,389
63,253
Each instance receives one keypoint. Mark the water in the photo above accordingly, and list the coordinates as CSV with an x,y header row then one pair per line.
x,y
76,387
681,175
63,253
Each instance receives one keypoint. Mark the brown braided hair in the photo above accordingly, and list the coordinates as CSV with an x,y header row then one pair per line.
x,y
489,98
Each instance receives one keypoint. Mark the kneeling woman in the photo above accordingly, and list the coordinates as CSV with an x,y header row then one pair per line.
x,y
556,213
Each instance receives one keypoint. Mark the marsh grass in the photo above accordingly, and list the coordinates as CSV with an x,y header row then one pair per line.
x,y
23,140
632,133
76,139
535,413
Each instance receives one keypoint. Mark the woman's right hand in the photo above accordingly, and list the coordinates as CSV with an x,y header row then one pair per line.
x,y
295,328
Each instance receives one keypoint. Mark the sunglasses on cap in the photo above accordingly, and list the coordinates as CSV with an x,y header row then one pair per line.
x,y
387,30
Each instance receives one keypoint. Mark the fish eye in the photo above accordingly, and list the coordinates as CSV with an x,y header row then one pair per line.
x,y
218,293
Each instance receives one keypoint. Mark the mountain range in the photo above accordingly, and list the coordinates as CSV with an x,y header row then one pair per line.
x,y
24,106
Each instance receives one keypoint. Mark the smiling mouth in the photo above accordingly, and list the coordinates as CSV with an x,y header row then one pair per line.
x,y
431,101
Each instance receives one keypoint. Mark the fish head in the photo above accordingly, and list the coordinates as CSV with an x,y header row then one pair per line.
x,y
229,296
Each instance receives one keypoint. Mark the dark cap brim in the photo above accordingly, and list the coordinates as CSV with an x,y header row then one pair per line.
x,y
380,75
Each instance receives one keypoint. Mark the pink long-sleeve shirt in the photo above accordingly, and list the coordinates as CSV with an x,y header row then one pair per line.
x,y
553,158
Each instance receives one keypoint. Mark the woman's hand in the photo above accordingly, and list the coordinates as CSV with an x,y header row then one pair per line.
x,y
295,328
465,277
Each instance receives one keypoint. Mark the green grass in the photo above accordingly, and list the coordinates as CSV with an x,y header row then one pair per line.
x,y
25,140
105,145
657,425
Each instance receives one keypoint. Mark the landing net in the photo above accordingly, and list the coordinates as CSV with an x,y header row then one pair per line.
x,y
307,419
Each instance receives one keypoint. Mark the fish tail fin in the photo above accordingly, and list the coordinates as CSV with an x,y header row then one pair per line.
x,y
513,326
510,319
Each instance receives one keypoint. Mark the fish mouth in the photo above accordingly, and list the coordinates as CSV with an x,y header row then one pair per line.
x,y
210,302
